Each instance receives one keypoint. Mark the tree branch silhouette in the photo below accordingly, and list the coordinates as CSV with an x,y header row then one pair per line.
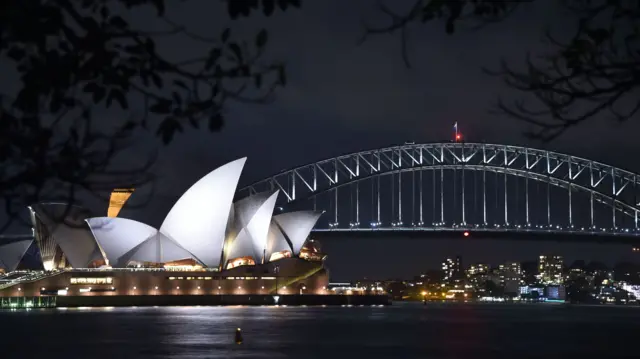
x,y
74,58
594,73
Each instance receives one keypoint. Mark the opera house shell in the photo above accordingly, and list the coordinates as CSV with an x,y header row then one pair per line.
x,y
205,237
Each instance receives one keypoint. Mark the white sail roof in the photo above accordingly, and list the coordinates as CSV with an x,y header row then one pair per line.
x,y
198,220
246,208
259,227
276,241
67,226
12,253
117,236
297,226
157,249
253,214
204,224
240,246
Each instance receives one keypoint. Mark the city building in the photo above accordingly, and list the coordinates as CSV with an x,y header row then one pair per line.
x,y
510,277
532,292
555,292
478,268
452,271
550,270
207,244
477,275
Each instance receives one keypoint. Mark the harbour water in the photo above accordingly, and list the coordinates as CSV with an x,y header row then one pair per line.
x,y
404,330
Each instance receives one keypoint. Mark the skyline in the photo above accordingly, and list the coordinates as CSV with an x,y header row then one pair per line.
x,y
407,257
342,97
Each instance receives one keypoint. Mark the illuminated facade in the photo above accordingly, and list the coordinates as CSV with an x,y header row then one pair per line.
x,y
63,237
452,270
510,276
118,198
199,220
478,268
478,274
205,235
294,276
249,232
550,270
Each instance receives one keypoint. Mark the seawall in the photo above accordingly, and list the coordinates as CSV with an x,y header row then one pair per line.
x,y
207,300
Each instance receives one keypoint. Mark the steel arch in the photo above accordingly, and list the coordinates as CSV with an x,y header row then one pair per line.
x,y
606,184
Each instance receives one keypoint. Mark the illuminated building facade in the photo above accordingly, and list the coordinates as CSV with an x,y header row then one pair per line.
x,y
205,238
294,276
477,274
478,268
63,237
550,270
510,276
118,198
452,270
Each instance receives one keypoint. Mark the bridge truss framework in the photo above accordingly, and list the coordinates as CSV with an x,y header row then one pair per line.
x,y
446,165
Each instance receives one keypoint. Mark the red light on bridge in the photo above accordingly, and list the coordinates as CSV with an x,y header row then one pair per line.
x,y
458,137
466,234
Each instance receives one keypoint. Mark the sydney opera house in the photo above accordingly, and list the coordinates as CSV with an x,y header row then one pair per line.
x,y
207,245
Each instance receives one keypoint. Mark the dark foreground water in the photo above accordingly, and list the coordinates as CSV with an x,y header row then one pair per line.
x,y
404,330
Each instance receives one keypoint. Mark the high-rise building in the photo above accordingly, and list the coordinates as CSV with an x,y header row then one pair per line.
x,y
550,270
452,270
478,268
510,276
119,197
478,274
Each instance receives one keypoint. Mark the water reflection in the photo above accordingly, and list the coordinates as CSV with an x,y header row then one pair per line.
x,y
399,331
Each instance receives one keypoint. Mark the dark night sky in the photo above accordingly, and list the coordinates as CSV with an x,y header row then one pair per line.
x,y
342,97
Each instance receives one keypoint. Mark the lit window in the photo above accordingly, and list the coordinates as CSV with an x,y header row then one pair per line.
x,y
104,280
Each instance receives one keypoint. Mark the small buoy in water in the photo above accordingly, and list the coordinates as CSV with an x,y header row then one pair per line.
x,y
238,336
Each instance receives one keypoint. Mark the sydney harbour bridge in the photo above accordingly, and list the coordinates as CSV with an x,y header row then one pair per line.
x,y
458,186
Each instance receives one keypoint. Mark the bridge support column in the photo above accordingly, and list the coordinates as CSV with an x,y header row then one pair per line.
x,y
420,179
441,195
484,196
570,207
464,219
